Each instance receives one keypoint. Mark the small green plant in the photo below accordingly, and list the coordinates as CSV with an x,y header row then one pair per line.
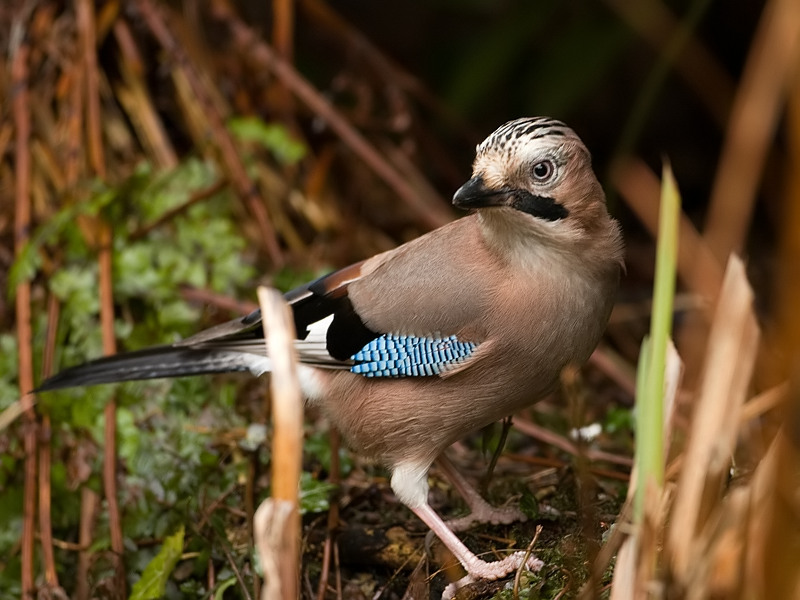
x,y
650,377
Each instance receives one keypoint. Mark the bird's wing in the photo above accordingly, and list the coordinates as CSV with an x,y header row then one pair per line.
x,y
315,307
383,317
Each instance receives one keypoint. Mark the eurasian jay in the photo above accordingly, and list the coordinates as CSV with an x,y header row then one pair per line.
x,y
410,350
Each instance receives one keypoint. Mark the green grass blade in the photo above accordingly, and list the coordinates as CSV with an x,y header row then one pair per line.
x,y
650,380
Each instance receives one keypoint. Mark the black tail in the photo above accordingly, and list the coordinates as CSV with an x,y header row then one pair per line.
x,y
150,363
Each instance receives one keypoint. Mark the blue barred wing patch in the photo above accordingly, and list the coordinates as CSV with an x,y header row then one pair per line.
x,y
393,355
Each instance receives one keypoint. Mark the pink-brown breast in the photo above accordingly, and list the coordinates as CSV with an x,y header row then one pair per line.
x,y
527,327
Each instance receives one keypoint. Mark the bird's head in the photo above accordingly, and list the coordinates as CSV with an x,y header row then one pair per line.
x,y
538,168
532,185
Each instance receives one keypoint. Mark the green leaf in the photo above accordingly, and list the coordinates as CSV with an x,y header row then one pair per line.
x,y
528,504
314,494
619,419
652,360
224,586
154,578
275,138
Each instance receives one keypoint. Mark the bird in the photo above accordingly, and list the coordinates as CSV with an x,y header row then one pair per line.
x,y
410,350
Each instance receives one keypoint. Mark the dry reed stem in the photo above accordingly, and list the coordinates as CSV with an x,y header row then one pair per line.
x,y
94,134
773,57
22,223
749,548
787,280
773,549
728,367
135,99
277,520
634,573
764,402
623,580
774,543
45,454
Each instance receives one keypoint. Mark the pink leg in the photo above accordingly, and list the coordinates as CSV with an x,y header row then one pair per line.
x,y
481,511
475,567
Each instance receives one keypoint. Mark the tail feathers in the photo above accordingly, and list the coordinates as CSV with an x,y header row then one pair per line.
x,y
154,363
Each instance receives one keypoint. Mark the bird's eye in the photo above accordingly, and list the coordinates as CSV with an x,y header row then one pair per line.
x,y
543,170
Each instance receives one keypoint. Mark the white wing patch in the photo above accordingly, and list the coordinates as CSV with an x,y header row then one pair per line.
x,y
314,349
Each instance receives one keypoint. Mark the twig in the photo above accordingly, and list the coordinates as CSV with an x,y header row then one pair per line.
x,y
237,573
607,551
560,464
528,550
616,368
560,442
429,211
391,73
86,26
250,498
45,454
501,444
198,196
230,159
333,516
90,500
94,128
208,297
22,223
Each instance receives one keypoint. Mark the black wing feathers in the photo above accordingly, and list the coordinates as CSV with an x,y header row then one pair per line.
x,y
150,363
215,349
326,296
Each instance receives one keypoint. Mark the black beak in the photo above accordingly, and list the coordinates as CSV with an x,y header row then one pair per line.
x,y
475,194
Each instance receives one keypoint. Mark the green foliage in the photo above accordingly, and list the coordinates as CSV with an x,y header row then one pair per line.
x,y
154,578
60,229
176,460
619,419
317,444
222,586
273,137
288,278
9,367
314,494
10,533
528,503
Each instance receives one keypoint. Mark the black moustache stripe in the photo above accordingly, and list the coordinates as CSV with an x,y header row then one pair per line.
x,y
540,207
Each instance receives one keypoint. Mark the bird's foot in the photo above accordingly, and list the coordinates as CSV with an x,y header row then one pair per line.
x,y
483,512
478,569
480,510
